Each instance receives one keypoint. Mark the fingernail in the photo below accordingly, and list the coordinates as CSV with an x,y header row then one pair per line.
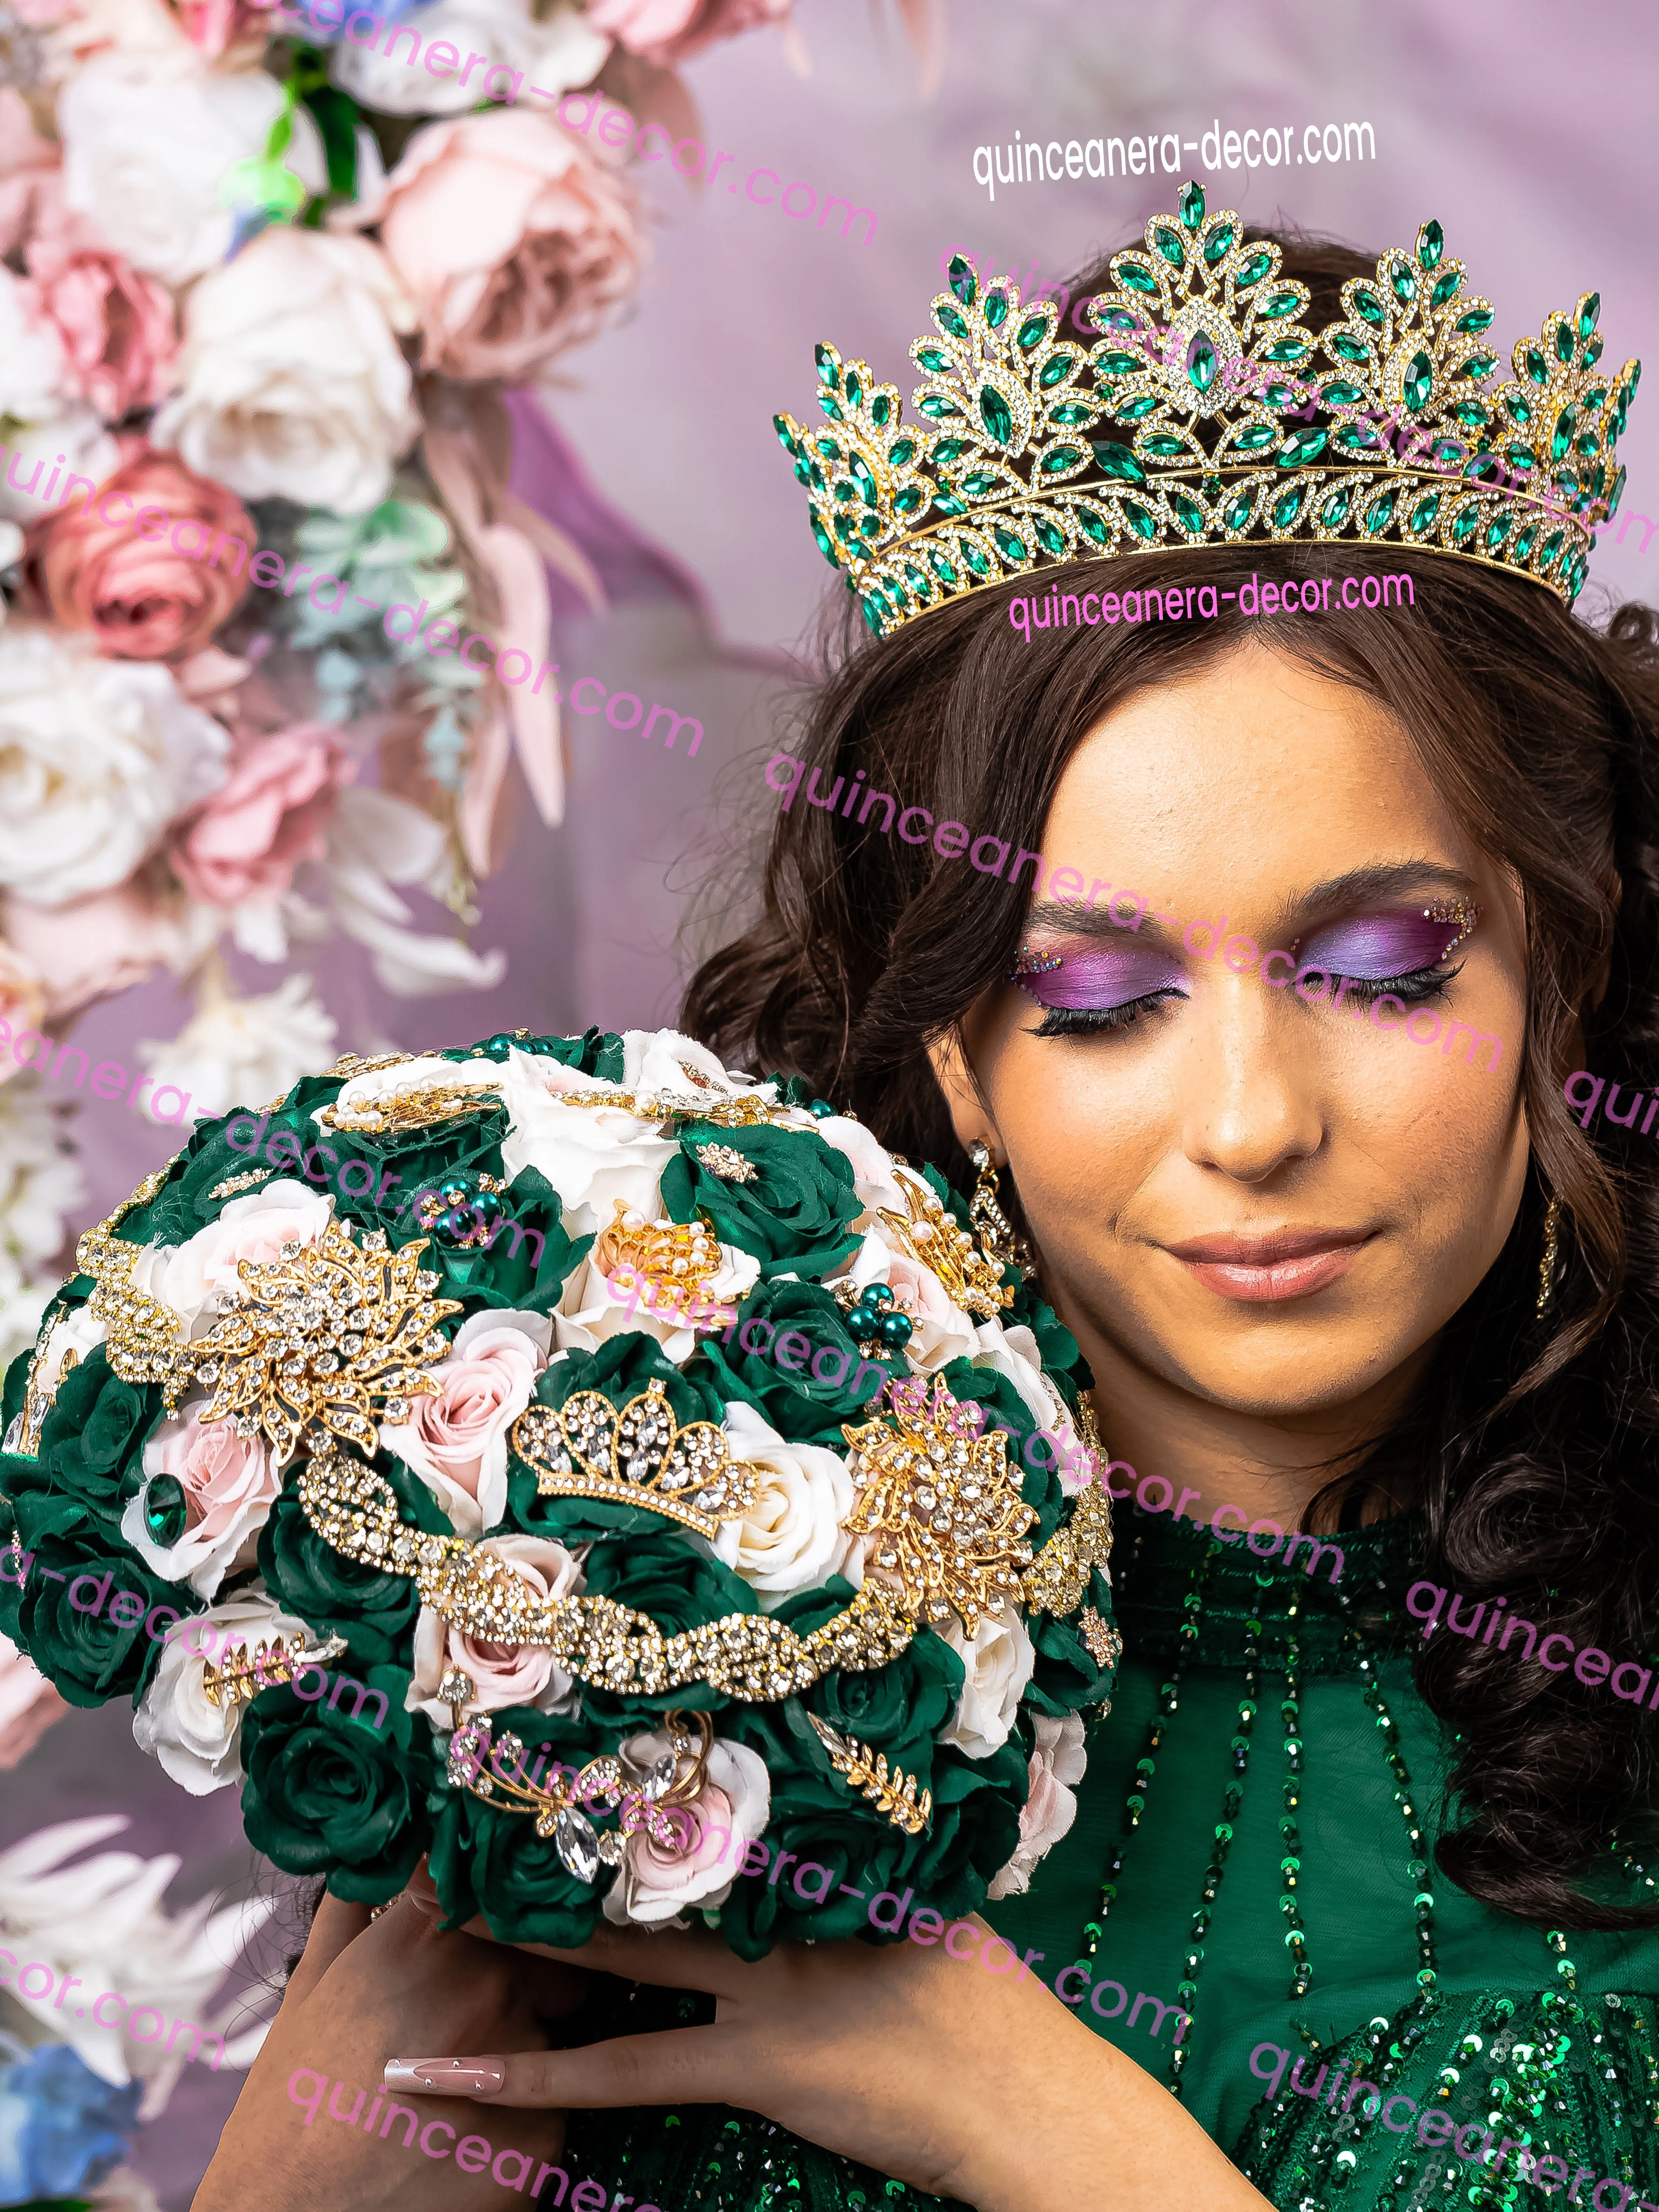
x,y
445,2077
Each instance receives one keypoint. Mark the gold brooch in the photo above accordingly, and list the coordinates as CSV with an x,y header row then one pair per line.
x,y
942,1497
750,1655
241,1677
1105,1644
145,1339
677,1260
1059,1578
421,1107
894,1794
641,1456
326,1339
930,1235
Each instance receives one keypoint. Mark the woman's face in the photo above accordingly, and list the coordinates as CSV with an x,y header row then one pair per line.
x,y
1268,1203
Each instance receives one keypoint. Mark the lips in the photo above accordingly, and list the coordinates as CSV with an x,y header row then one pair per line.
x,y
1270,1268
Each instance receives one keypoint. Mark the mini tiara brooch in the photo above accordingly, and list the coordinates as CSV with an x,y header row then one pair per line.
x,y
1205,373
640,1457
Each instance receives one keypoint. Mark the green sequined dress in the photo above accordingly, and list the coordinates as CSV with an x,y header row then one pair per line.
x,y
1279,1804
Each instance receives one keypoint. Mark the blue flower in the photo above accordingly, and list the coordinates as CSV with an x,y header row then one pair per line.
x,y
61,2128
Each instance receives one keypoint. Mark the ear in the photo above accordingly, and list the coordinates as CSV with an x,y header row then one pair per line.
x,y
971,1116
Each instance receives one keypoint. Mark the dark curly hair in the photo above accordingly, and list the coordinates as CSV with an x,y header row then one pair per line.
x,y
1541,734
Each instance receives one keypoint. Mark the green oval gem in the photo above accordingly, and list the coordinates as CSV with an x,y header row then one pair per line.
x,y
1059,459
1119,364
1133,410
864,478
881,411
165,1511
1254,436
933,359
949,449
901,452
919,583
1071,414
1057,365
1418,383
1564,343
1134,277
1561,441
1278,305
1476,365
1031,333
952,324
948,504
1403,277
875,614
1219,242
828,366
1500,531
855,390
825,544
1446,287
1589,311
1187,513
1169,247
1616,493
1380,513
1369,307
1302,446
1431,245
1200,363
1476,320
1574,573
1190,204
1235,514
1523,544
1010,547
1347,348
1356,438
1164,449
1465,524
1537,368
971,554
1334,512
996,414
1253,271
1520,458
937,408
943,569
1287,507
996,309
978,483
1550,552
961,280
1144,525
1286,349
1118,461
1051,538
1517,406
1340,393
1090,522
909,500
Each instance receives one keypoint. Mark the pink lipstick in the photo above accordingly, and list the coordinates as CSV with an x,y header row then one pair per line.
x,y
1270,1268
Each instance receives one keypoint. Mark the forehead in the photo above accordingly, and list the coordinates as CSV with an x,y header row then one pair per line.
x,y
1253,765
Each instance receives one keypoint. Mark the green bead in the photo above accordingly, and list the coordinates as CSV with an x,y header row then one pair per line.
x,y
167,1512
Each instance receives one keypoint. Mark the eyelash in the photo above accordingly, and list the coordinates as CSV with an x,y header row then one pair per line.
x,y
1415,989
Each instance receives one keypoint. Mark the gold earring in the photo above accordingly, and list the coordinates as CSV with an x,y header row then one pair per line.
x,y
1552,1250
996,1232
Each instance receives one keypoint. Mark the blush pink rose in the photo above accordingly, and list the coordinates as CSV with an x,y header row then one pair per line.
x,y
668,31
655,1881
512,238
145,598
456,1441
247,840
118,328
194,1276
504,1673
230,1484
93,946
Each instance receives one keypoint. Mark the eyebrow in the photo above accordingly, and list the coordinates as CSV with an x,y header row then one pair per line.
x,y
1319,902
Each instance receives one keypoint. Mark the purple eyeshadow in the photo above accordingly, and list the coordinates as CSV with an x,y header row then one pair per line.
x,y
1094,980
1377,948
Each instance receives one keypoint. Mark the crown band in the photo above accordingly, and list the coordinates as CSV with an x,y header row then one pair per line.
x,y
1204,371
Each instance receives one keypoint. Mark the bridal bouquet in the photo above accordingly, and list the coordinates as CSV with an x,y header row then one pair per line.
x,y
481,1375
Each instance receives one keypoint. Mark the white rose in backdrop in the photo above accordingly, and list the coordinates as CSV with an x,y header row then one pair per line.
x,y
41,1185
553,56
96,758
291,380
54,424
145,148
241,1052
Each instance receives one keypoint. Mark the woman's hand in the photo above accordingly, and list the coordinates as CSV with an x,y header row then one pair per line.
x,y
358,1994
986,2089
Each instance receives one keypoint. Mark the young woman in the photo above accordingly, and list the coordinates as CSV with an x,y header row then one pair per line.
x,y
1340,1260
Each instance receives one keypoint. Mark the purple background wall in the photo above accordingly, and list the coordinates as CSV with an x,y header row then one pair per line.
x,y
1527,132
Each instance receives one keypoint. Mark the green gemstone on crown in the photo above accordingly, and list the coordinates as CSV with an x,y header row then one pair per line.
x,y
828,363
1431,245
1031,333
938,408
1477,320
996,309
933,359
1418,383
1285,349
1422,516
826,544
1092,524
1517,406
1476,365
910,501
963,281
1237,514
1286,507
1135,278
1187,512
1061,460
949,449
950,323
1348,348
1380,513
864,478
1254,436
1220,243
1574,573
996,414
1564,346
1521,459
1118,461
1252,271
1370,308
1057,367
1466,522
1403,277
1302,446
1617,493
1163,447
1278,305
1340,393
1446,287
1071,414
901,452
1561,438
167,1512
1201,363
855,390
1144,525
1499,530
1191,203
1050,536
1589,314
881,411
875,614
1523,544
1119,364
971,554
1010,547
1136,409
1550,552
1334,512
1535,365
1356,438
943,569
1169,247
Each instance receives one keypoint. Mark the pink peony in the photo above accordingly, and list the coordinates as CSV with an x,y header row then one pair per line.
x,y
513,240
244,842
92,947
142,594
668,31
23,1001
117,326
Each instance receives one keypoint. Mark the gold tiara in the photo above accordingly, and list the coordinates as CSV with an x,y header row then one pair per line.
x,y
1229,431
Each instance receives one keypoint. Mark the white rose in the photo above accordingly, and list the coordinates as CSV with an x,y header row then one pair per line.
x,y
1057,1761
70,431
502,1674
595,1305
198,1279
663,1059
34,372
198,1742
456,1441
145,149
999,1660
40,1185
791,1538
592,1156
872,1163
78,1333
96,758
237,1049
553,56
654,1882
1013,1352
293,384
